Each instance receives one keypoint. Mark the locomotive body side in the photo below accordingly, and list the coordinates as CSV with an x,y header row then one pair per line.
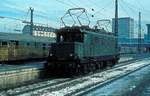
x,y
100,46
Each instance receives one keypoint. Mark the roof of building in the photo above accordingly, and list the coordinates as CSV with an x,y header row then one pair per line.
x,y
124,18
26,29
23,37
148,24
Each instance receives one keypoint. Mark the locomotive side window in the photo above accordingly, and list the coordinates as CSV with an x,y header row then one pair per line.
x,y
78,37
61,38
70,37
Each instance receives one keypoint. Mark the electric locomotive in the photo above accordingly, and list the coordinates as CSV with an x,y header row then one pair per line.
x,y
80,49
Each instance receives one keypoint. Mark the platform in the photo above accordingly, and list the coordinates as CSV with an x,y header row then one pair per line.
x,y
15,75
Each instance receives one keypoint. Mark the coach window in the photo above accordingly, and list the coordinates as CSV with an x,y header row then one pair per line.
x,y
28,44
4,43
44,46
35,44
14,43
17,43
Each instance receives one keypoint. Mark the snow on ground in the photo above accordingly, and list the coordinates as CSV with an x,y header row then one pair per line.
x,y
24,88
123,87
122,59
94,79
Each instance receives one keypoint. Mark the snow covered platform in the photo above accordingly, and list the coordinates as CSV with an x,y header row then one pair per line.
x,y
130,85
127,57
15,75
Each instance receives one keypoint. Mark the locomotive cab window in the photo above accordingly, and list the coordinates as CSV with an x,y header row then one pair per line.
x,y
70,37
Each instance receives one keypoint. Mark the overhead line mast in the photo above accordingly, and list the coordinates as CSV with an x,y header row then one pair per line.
x,y
116,22
116,17
31,20
139,34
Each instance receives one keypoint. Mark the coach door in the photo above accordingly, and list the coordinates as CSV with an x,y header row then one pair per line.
x,y
13,45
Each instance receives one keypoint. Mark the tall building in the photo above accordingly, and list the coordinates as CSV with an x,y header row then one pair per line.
x,y
125,27
148,31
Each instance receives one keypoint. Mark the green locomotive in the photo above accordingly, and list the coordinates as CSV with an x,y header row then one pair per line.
x,y
81,50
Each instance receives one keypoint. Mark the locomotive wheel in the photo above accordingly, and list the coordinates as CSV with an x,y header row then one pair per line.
x,y
113,63
109,64
76,70
93,67
82,69
70,69
85,68
97,65
79,69
89,67
104,64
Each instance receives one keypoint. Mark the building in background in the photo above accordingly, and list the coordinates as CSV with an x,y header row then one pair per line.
x,y
126,37
148,31
125,27
39,31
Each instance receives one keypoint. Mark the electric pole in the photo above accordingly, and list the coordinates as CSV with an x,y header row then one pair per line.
x,y
31,20
116,23
139,34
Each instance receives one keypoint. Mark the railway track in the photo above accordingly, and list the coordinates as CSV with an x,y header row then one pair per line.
x,y
88,89
74,86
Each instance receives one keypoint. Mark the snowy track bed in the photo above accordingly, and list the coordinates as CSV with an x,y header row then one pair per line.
x,y
98,78
61,87
36,86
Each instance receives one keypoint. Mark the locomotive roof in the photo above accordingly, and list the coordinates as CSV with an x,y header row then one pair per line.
x,y
23,37
84,29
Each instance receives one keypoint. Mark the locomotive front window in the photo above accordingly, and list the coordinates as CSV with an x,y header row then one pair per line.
x,y
70,37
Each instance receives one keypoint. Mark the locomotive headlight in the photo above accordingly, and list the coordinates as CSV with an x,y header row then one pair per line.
x,y
70,54
50,54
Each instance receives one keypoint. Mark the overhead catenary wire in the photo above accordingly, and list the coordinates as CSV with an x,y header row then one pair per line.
x,y
74,4
98,11
135,10
121,4
26,16
62,2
